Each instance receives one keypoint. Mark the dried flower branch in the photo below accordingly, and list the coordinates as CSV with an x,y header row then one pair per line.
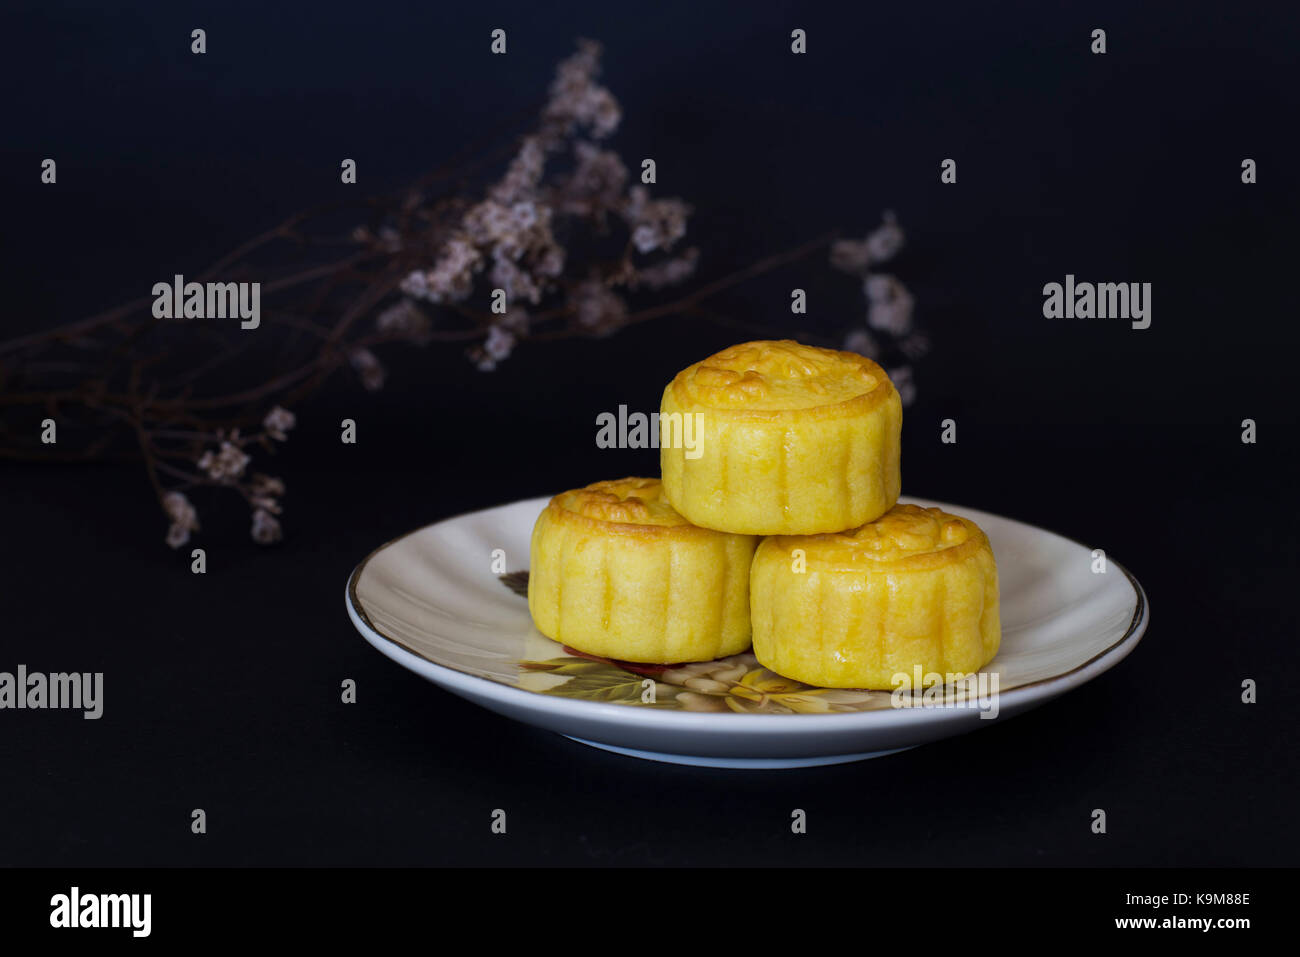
x,y
424,268
889,323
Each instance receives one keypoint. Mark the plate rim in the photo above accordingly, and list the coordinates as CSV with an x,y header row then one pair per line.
x,y
610,712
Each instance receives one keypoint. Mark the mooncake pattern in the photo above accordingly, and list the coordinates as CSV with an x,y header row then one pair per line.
x,y
785,439
615,571
918,587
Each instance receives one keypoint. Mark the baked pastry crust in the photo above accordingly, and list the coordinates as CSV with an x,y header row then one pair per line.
x,y
617,572
793,440
916,587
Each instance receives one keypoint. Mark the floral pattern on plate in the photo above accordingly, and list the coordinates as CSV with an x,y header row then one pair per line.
x,y
736,683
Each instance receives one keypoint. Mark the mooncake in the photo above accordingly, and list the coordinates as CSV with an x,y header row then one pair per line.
x,y
780,438
617,572
918,587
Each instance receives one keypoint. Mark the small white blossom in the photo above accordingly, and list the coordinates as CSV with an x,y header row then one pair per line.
x,y
405,320
577,100
517,283
264,490
885,241
368,367
889,305
184,519
656,223
597,308
266,484
496,347
596,185
452,276
863,343
278,422
266,527
524,215
904,383
416,285
498,343
523,175
859,255
227,464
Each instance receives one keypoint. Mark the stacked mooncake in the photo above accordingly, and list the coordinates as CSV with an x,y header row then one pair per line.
x,y
778,524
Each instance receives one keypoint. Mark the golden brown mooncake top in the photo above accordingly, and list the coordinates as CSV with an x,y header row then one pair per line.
x,y
627,501
772,375
906,533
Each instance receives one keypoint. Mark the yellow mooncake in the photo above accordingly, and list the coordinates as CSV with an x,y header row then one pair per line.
x,y
916,587
779,438
617,572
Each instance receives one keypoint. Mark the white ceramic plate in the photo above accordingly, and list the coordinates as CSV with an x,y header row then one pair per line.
x,y
431,601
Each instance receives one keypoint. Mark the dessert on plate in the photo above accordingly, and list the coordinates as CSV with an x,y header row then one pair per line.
x,y
797,446
615,571
789,440
917,587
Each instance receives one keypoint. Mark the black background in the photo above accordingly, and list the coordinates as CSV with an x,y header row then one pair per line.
x,y
222,690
